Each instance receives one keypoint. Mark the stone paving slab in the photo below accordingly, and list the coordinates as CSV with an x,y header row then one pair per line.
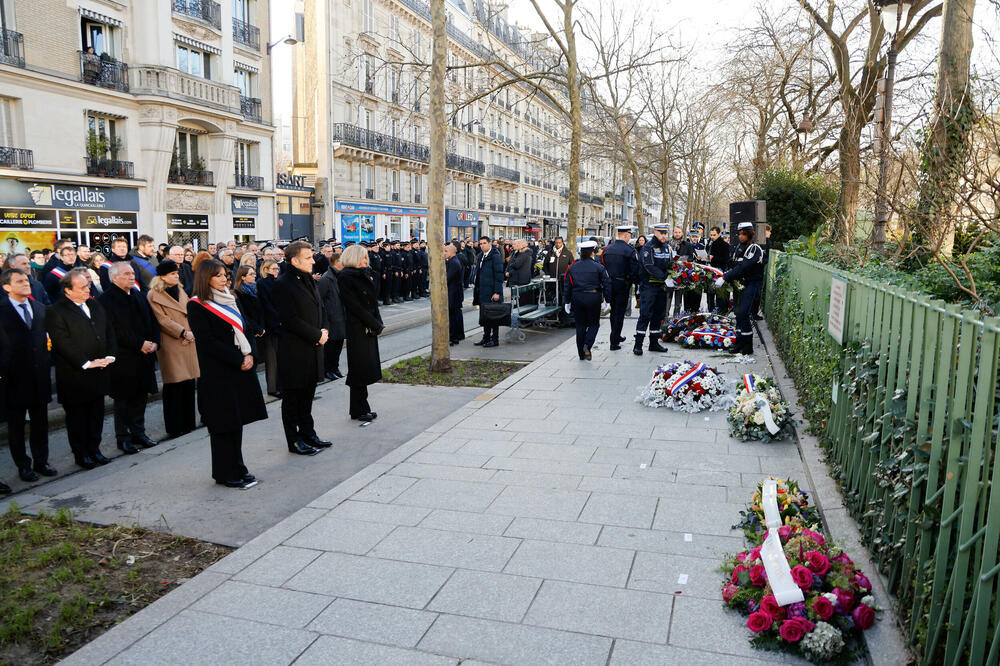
x,y
556,521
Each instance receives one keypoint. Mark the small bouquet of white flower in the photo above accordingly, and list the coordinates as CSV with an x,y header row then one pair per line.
x,y
759,413
685,386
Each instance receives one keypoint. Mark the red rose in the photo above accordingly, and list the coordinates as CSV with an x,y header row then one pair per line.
x,y
844,559
728,592
818,562
694,278
845,600
802,577
755,554
793,629
758,622
823,608
735,578
815,536
770,606
757,575
785,532
864,616
862,581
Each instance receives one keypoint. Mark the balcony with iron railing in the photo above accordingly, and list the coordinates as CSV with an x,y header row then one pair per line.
x,y
16,158
493,206
108,168
11,48
189,176
466,164
250,108
103,71
246,34
355,136
482,205
245,182
204,10
503,173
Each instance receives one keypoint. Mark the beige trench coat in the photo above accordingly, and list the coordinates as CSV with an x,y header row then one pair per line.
x,y
178,357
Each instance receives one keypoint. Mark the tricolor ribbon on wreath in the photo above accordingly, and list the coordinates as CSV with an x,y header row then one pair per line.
x,y
226,314
686,378
761,402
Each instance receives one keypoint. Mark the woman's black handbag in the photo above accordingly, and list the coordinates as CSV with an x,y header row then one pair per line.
x,y
494,314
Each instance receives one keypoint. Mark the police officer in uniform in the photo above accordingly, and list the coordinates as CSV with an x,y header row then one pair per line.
x,y
748,267
655,262
374,266
585,285
622,263
396,262
409,271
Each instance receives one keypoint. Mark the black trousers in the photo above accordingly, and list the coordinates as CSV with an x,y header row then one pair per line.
x,y
692,300
268,352
130,416
359,401
39,434
744,308
178,407
296,413
385,288
397,281
331,355
456,324
227,456
84,425
620,292
587,315
491,334
711,300
652,307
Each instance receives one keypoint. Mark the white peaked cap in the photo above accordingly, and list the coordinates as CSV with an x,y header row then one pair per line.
x,y
745,225
587,244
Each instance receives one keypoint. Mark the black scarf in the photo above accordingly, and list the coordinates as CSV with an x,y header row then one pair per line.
x,y
174,292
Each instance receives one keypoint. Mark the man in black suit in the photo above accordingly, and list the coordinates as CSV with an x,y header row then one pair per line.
x,y
133,376
83,344
25,374
176,254
300,347
119,252
23,264
456,293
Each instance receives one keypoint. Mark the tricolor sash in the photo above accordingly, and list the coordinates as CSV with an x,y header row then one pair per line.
x,y
226,314
748,382
686,378
107,264
60,273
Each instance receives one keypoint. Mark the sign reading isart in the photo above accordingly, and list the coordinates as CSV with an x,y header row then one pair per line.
x,y
838,309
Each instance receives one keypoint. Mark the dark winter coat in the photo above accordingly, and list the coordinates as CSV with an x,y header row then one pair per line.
x,y
489,278
364,323
456,293
228,398
129,314
77,339
719,251
300,311
25,371
519,268
557,261
333,309
265,286
253,313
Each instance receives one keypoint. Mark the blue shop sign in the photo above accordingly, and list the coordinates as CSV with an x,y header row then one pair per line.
x,y
34,194
375,209
461,218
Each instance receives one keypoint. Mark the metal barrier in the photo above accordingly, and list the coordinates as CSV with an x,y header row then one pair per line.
x,y
912,438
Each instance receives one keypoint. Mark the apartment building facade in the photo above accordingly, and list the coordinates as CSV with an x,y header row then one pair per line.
x,y
361,133
123,117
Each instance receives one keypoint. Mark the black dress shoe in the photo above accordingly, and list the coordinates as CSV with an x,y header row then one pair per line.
x,y
27,474
332,376
302,449
100,458
758,318
237,483
249,478
143,441
339,374
480,343
318,443
370,416
86,462
45,469
4,489
621,339
615,347
452,343
491,344
586,353
128,447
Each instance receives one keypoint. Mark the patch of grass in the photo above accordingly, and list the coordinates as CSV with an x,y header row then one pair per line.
x,y
472,372
63,583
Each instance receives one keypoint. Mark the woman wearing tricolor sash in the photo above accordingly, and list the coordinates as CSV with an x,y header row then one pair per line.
x,y
229,395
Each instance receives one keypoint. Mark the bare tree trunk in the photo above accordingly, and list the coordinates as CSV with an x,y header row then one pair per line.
x,y
849,145
949,138
440,355
576,123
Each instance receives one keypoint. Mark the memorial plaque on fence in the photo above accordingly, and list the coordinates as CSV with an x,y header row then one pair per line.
x,y
838,309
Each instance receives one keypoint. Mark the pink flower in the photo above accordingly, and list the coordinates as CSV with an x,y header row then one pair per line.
x,y
785,532
728,592
823,608
758,622
735,578
844,559
757,574
754,554
742,557
793,629
815,536
862,581
845,601
770,606
864,616
802,577
818,562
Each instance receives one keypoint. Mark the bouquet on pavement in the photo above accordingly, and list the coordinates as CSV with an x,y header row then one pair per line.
x,y
759,413
674,328
797,515
708,336
838,604
684,386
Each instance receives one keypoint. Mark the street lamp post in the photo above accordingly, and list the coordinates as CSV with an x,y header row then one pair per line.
x,y
894,16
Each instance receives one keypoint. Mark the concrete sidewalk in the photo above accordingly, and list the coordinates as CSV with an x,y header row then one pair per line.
x,y
550,520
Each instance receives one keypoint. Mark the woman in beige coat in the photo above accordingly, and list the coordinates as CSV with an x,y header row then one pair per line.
x,y
177,354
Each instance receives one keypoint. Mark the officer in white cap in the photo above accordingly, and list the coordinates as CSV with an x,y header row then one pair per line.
x,y
622,263
586,284
748,267
655,261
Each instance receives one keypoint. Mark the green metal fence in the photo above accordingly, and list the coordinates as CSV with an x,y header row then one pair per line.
x,y
912,437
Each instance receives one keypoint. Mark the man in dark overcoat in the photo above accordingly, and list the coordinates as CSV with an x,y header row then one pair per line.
x,y
454,272
488,287
24,374
132,377
83,347
300,347
333,313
